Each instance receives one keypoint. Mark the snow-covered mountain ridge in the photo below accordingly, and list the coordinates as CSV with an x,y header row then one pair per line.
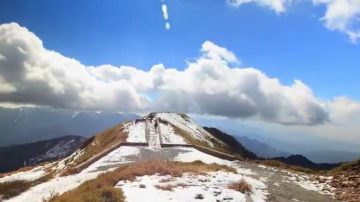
x,y
159,157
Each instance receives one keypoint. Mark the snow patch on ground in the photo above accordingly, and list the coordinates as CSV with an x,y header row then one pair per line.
x,y
57,185
168,136
117,157
306,182
268,168
60,165
259,188
187,125
136,132
211,187
29,175
192,154
189,154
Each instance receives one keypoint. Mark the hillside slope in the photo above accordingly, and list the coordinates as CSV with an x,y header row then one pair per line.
x,y
160,157
346,179
17,156
234,145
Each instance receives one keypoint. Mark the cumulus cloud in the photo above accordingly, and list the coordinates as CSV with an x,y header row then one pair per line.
x,y
279,6
31,74
343,109
343,16
212,51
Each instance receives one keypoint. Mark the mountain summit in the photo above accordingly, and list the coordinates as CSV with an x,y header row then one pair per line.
x,y
161,157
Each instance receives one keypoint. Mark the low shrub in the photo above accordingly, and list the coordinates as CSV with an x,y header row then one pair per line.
x,y
199,196
14,188
241,186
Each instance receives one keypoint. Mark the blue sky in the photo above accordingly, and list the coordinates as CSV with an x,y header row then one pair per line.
x,y
291,45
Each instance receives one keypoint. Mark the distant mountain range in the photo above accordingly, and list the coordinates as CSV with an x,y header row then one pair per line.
x,y
158,146
261,149
267,147
330,156
24,125
232,142
17,156
302,161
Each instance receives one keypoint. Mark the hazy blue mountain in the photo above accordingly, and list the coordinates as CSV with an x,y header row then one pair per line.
x,y
24,125
302,161
261,149
232,142
330,156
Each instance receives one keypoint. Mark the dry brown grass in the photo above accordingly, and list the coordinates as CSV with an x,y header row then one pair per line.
x,y
166,180
108,180
349,166
175,169
189,139
170,187
101,141
241,186
23,169
14,188
167,187
26,168
101,194
69,171
11,189
217,144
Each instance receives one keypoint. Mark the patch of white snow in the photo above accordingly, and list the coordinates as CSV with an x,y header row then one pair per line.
x,y
168,136
116,157
29,175
57,185
136,132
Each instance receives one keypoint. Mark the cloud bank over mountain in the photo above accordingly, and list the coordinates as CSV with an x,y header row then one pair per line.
x,y
213,84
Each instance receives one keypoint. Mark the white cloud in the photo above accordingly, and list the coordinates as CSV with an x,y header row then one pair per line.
x,y
165,13
213,51
343,109
165,16
343,16
167,26
279,6
34,75
340,15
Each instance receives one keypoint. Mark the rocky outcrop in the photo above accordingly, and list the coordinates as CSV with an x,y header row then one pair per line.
x,y
347,182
